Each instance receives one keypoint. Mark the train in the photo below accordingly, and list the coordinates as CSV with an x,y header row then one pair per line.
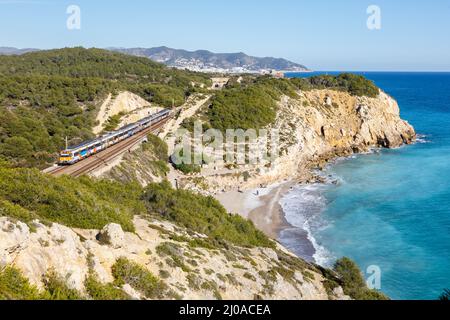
x,y
82,151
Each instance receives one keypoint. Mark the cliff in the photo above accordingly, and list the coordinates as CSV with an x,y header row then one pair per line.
x,y
178,244
159,251
315,127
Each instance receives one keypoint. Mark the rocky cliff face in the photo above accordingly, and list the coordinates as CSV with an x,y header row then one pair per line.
x,y
315,128
163,249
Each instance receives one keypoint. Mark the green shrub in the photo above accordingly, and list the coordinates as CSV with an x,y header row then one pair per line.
x,y
175,253
354,84
100,291
139,278
14,286
113,122
57,289
249,276
188,168
252,107
180,164
86,203
157,146
201,214
8,209
353,282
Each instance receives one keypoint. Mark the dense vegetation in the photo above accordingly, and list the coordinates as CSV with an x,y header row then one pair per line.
x,y
14,286
204,215
353,282
147,162
140,279
354,84
251,104
38,112
48,95
27,194
98,63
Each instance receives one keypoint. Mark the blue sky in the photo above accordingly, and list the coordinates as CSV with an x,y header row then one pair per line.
x,y
324,35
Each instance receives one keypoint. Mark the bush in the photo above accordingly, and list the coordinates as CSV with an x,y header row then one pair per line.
x,y
113,122
354,84
100,291
353,282
252,107
139,278
86,203
187,168
202,214
57,289
157,146
175,253
14,286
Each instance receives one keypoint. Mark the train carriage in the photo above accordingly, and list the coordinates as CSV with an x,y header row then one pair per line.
x,y
86,149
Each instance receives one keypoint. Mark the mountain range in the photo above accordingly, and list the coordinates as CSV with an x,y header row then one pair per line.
x,y
15,51
207,61
200,60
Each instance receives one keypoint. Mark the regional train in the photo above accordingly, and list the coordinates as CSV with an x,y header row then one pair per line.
x,y
86,149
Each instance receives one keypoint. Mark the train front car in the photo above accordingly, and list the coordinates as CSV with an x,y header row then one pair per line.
x,y
65,158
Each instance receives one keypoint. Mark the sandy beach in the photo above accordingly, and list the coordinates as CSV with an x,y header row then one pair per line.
x,y
260,205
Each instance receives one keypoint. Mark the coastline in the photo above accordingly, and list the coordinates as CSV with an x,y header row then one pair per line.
x,y
318,142
262,206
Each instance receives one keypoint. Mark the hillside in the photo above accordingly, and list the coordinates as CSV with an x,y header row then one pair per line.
x,y
65,238
131,235
206,61
48,95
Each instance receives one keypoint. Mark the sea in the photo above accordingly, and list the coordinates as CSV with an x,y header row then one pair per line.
x,y
388,210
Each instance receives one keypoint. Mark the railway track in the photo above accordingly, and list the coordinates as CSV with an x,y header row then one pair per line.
x,y
102,158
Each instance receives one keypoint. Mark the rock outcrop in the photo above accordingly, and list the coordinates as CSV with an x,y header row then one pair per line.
x,y
195,273
112,234
314,128
132,106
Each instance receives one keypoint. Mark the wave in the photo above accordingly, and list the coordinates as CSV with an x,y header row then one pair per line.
x,y
303,207
422,138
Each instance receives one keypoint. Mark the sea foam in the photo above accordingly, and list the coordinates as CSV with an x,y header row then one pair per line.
x,y
302,207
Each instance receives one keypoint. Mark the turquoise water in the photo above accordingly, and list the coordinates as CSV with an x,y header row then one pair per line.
x,y
390,208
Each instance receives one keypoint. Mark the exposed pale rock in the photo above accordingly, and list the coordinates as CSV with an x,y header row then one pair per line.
x,y
133,294
113,235
60,249
329,125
